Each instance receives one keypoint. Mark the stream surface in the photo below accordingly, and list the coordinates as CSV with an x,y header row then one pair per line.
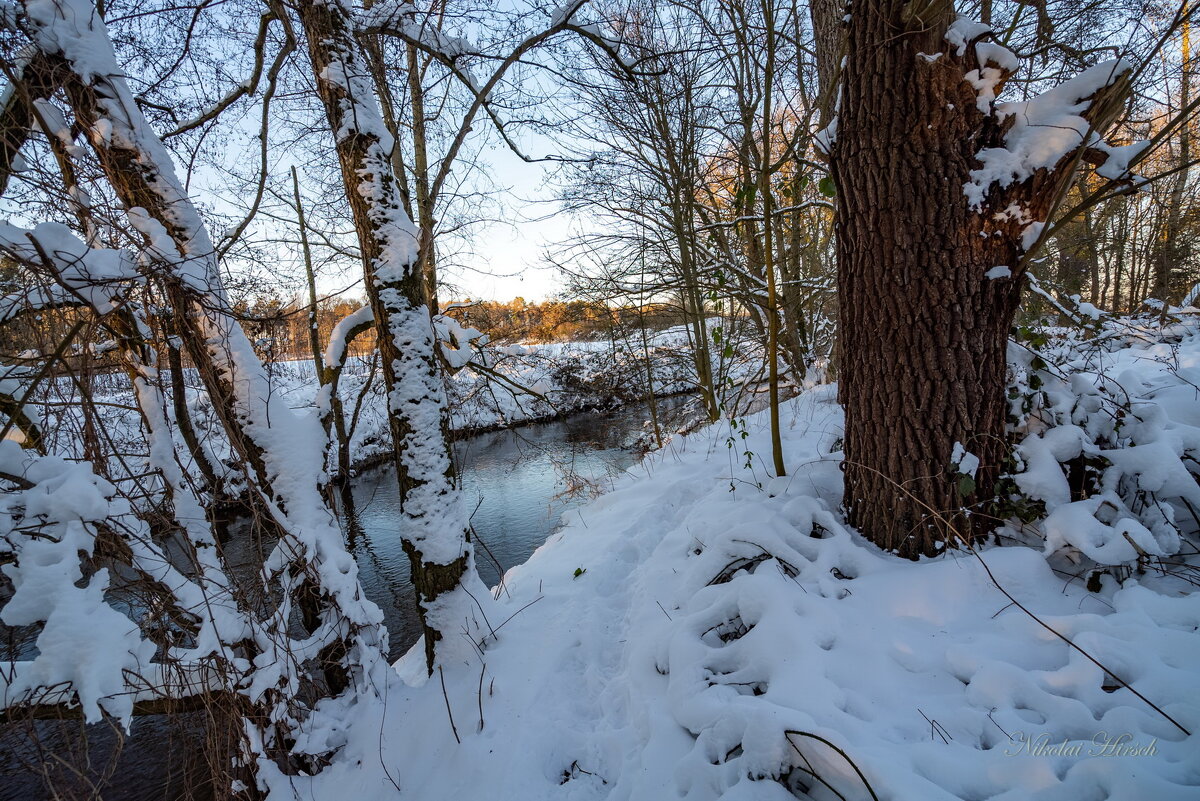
x,y
518,482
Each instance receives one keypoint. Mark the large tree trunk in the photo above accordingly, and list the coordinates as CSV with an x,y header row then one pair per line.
x,y
924,326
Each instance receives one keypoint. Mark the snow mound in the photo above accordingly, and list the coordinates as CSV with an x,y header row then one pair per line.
x,y
706,632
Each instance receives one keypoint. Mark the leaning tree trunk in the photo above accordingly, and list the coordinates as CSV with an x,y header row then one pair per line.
x,y
925,311
826,18
30,79
434,525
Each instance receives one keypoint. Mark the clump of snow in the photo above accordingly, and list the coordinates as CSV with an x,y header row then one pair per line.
x,y
458,342
996,63
963,31
965,462
1030,235
1086,309
1116,165
1089,527
1044,130
825,138
1000,271
335,349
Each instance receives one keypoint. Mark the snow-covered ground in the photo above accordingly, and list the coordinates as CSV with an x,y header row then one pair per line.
x,y
703,632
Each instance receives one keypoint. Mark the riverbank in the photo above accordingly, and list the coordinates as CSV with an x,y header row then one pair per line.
x,y
517,482
516,385
521,385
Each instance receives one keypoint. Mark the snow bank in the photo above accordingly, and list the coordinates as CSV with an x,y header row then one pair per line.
x,y
705,632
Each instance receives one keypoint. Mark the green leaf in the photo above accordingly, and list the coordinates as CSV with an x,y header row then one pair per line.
x,y
579,571
966,485
827,187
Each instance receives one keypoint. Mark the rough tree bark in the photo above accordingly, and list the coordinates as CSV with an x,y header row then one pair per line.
x,y
924,325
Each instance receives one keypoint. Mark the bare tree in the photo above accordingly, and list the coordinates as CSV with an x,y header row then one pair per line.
x,y
278,676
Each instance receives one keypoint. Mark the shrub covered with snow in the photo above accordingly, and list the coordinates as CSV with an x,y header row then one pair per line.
x,y
90,646
1108,438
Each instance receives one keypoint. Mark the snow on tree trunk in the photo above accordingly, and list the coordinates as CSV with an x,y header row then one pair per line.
x,y
284,450
434,523
941,191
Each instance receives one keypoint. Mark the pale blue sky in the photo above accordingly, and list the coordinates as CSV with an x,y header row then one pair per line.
x,y
508,258
512,253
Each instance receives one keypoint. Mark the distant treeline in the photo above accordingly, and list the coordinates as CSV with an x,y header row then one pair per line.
x,y
278,327
558,320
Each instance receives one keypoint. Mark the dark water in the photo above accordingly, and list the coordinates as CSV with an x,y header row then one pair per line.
x,y
517,482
